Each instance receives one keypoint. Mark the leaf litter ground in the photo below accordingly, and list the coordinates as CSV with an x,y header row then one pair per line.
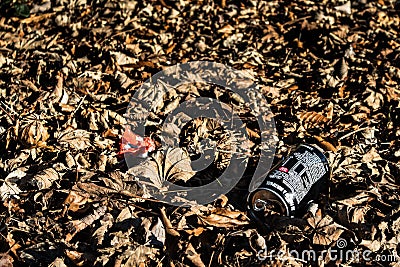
x,y
330,70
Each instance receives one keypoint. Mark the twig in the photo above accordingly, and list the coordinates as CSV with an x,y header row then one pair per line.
x,y
211,258
295,21
353,132
7,107
79,105
6,112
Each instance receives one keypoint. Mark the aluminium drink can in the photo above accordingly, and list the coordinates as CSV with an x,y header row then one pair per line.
x,y
291,184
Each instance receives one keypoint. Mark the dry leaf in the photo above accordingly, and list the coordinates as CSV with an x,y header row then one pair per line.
x,y
169,165
9,187
167,223
345,8
371,156
375,100
79,258
373,245
325,144
76,201
75,139
6,260
193,256
325,231
45,178
58,262
221,217
312,118
140,256
106,222
196,232
341,69
78,225
35,133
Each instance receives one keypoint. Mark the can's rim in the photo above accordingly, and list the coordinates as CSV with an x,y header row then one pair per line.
x,y
286,207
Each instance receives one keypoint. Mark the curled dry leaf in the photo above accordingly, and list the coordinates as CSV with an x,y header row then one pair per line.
x,y
375,100
193,256
325,144
222,217
59,95
167,223
312,118
80,258
76,201
35,133
78,225
221,201
252,134
341,69
45,178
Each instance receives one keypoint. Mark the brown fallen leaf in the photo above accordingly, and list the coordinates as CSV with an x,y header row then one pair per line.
x,y
170,49
59,95
167,223
341,69
221,201
371,155
34,133
348,214
325,144
373,245
78,225
312,118
222,217
6,260
252,134
196,232
140,256
172,164
45,178
76,139
324,229
193,256
292,88
227,29
342,91
14,245
345,8
58,262
76,201
80,258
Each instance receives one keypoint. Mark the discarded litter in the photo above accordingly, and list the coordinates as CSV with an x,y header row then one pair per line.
x,y
135,145
292,184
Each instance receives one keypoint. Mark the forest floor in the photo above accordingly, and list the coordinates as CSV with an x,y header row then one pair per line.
x,y
330,71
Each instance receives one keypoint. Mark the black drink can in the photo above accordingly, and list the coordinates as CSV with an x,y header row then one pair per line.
x,y
292,183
